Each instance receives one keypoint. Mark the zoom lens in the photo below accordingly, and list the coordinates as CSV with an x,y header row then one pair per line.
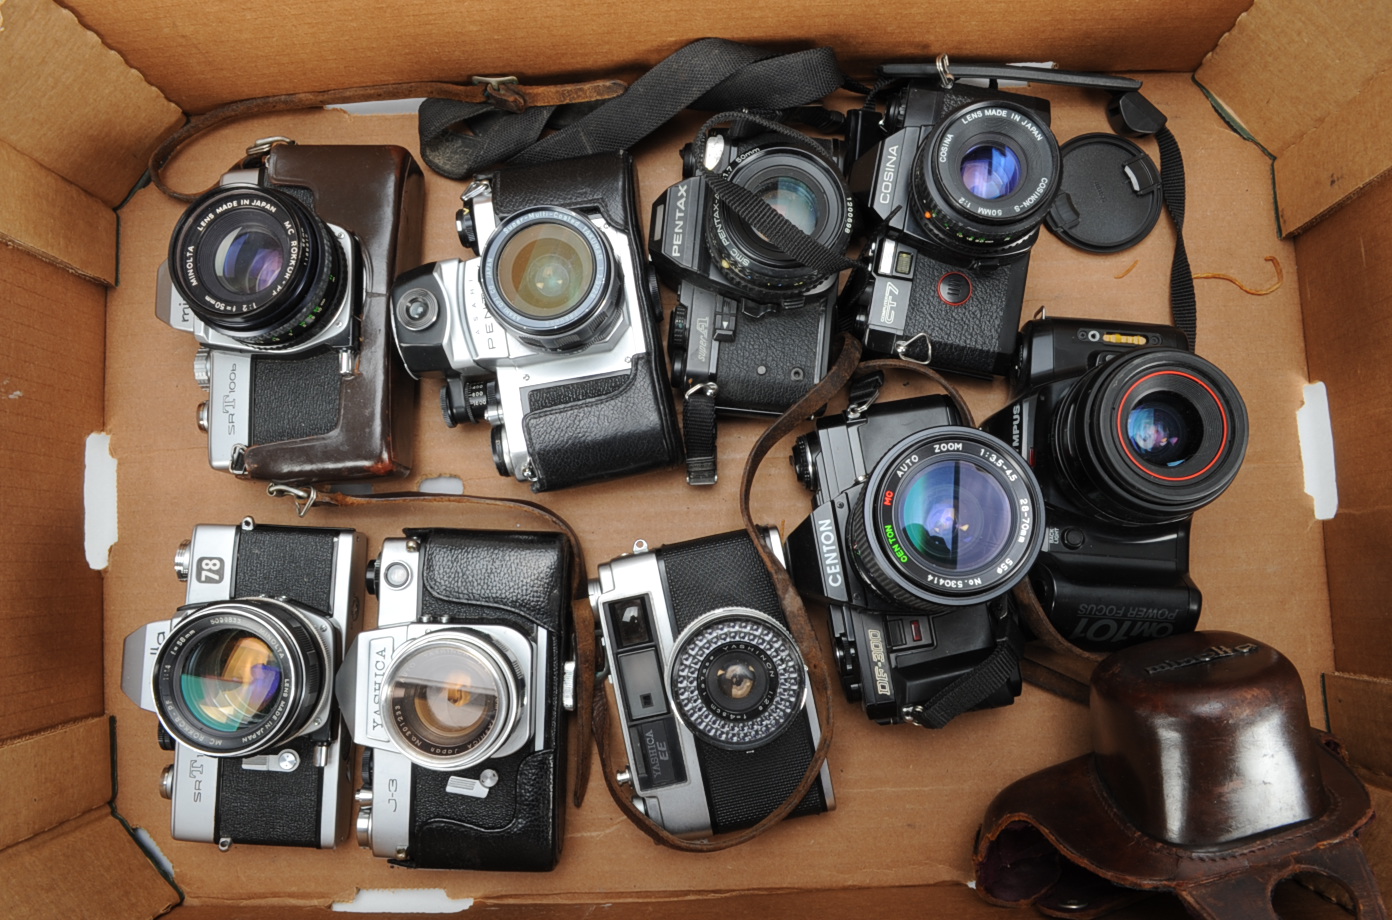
x,y
550,277
450,700
949,517
801,186
1150,437
237,677
737,678
257,265
984,179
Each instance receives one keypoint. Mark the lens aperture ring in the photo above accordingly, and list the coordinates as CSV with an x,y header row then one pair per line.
x,y
950,516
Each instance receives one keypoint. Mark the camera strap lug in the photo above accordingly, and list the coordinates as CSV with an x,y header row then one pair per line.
x,y
944,74
917,350
305,497
699,429
863,393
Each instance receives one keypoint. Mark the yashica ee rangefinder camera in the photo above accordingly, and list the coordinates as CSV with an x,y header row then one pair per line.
x,y
753,325
718,721
920,527
1129,433
959,181
242,679
282,274
550,334
457,698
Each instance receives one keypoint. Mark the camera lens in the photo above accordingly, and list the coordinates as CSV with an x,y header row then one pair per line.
x,y
234,678
801,186
257,265
1151,436
737,678
450,700
551,278
949,517
984,179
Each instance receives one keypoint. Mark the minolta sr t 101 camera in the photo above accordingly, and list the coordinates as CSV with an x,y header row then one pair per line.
x,y
550,334
457,698
960,181
919,529
1129,433
718,721
753,326
242,681
281,272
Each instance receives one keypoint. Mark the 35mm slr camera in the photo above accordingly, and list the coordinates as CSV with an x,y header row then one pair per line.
x,y
919,528
1129,434
960,180
753,325
281,273
550,335
457,697
242,681
718,721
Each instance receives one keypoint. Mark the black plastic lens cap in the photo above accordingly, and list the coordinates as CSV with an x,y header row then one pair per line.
x,y
1109,194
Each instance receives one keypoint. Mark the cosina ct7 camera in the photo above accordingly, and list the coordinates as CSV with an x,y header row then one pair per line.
x,y
1129,434
281,272
753,325
919,528
242,681
550,333
457,697
960,181
718,721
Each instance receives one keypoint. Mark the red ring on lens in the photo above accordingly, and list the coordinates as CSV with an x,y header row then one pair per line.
x,y
1122,438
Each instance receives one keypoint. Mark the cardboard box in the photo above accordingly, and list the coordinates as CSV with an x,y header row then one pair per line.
x,y
89,88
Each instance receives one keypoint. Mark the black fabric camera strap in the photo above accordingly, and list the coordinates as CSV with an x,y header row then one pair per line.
x,y
459,138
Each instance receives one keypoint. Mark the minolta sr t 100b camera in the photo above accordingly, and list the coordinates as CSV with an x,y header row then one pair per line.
x,y
458,696
281,272
550,335
242,681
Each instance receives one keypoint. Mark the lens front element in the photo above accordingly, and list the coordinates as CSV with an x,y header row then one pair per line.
x,y
991,171
230,680
546,269
248,260
954,515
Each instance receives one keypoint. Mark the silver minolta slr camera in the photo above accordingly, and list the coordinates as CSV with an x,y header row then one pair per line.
x,y
458,697
719,723
550,334
242,681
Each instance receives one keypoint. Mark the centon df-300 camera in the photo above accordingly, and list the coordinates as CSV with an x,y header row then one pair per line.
x,y
242,681
718,721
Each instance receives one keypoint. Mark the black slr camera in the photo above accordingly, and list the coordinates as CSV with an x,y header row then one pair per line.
x,y
281,273
457,699
242,681
753,326
550,334
1129,434
919,528
959,181
719,723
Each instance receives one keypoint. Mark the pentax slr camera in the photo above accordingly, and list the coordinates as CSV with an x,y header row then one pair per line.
x,y
959,180
550,334
718,722
920,527
753,326
1129,434
281,273
242,681
457,698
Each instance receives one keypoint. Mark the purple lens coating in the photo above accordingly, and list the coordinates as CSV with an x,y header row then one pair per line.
x,y
991,172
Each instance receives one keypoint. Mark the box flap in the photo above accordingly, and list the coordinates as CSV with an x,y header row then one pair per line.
x,y
47,215
1360,715
92,868
53,776
52,375
99,119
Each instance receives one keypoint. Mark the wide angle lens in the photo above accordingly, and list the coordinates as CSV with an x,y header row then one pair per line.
x,y
546,269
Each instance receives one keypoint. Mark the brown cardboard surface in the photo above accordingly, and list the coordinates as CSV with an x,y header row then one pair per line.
x,y
1346,287
53,776
1360,714
1287,65
71,103
205,55
52,340
47,215
1256,552
87,868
